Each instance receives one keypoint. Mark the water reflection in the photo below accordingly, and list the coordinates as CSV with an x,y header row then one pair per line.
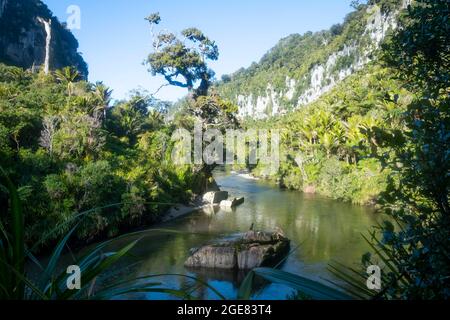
x,y
324,230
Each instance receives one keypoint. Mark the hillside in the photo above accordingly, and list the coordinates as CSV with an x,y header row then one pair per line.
x,y
23,37
301,68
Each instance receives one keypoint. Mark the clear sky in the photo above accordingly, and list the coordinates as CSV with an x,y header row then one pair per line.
x,y
115,39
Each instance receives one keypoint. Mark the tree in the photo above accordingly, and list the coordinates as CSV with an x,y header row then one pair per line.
x,y
420,49
354,137
214,112
50,126
226,78
337,29
68,76
183,63
103,94
128,120
419,53
79,137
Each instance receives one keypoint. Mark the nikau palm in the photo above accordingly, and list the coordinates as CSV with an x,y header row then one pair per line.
x,y
68,76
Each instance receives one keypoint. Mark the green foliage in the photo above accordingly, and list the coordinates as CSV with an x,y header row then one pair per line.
x,y
77,190
69,150
381,136
51,282
414,253
336,145
173,58
418,197
296,55
419,50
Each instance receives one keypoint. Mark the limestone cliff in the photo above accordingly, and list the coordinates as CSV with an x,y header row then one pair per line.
x,y
30,36
301,68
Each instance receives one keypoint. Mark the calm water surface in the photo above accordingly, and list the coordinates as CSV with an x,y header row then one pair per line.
x,y
324,230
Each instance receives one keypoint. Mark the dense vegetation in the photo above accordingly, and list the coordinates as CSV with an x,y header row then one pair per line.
x,y
336,145
68,150
408,137
183,62
294,57
74,166
380,136
419,54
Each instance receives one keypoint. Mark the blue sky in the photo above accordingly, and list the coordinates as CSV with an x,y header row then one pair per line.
x,y
115,39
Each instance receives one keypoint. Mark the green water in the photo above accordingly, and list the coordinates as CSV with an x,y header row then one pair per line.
x,y
323,229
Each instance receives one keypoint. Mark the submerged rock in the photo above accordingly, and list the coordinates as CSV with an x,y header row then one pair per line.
x,y
253,249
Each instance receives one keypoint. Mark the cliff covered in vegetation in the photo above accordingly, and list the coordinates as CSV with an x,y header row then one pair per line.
x,y
301,68
26,26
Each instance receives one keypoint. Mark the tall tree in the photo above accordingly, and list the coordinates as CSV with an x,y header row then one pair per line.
x,y
68,75
103,95
182,62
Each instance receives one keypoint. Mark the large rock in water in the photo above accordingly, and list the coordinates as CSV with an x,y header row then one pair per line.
x,y
215,197
231,203
253,249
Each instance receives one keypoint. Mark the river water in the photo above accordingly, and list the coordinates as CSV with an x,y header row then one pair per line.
x,y
323,230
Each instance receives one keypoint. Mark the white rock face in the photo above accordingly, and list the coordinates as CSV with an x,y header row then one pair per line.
x,y
215,197
48,40
260,107
290,85
33,46
322,77
379,24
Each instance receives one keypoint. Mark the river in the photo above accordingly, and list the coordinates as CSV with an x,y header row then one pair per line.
x,y
321,229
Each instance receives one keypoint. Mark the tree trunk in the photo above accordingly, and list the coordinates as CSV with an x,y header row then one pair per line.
x,y
203,88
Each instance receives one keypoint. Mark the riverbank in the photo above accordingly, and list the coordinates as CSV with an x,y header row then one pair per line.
x,y
326,229
364,194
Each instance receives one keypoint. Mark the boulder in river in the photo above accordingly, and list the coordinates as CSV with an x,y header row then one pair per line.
x,y
251,250
215,197
232,203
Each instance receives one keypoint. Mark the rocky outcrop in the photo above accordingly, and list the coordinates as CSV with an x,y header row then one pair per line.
x,y
253,249
219,256
322,76
28,40
221,198
232,202
215,197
